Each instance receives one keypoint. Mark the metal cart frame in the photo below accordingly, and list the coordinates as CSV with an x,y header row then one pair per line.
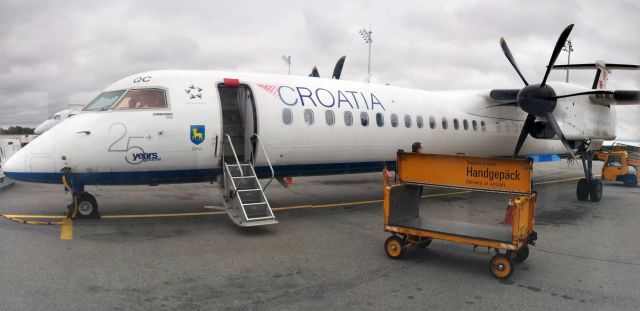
x,y
402,207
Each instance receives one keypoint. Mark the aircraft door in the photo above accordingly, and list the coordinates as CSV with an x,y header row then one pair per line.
x,y
238,119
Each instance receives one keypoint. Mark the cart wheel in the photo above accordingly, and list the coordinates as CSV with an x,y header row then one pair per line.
x,y
520,255
501,266
394,247
425,243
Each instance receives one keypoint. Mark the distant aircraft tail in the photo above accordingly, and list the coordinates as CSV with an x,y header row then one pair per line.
x,y
602,71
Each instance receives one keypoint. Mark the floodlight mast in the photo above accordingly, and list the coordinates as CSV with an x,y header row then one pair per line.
x,y
366,36
568,47
287,60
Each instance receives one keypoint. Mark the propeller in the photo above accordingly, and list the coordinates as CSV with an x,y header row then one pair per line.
x,y
314,72
537,100
337,70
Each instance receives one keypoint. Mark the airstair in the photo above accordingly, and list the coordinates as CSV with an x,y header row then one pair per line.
x,y
243,195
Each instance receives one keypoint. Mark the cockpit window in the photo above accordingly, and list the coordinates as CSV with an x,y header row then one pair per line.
x,y
104,101
142,99
56,117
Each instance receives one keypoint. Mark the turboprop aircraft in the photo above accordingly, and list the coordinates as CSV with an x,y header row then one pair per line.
x,y
177,126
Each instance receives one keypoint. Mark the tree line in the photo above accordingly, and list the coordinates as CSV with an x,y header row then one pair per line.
x,y
17,130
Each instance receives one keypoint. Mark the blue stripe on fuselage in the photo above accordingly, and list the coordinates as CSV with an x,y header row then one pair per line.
x,y
201,175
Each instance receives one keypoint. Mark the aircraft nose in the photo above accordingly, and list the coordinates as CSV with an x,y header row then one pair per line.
x,y
16,164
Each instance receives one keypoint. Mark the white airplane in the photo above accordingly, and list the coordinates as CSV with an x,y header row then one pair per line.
x,y
195,126
54,120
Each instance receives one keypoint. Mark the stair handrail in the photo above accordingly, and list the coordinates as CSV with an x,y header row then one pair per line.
x,y
264,151
235,156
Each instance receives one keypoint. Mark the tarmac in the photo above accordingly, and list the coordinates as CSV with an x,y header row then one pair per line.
x,y
157,248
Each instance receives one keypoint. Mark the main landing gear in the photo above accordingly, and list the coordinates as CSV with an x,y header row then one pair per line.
x,y
588,187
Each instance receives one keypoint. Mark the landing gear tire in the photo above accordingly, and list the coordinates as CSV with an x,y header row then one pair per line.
x,y
630,180
87,206
520,255
582,190
501,266
394,247
595,191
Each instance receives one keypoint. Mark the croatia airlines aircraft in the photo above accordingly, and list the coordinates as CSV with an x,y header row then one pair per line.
x,y
194,126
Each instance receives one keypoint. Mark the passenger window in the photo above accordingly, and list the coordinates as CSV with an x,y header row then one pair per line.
x,y
394,120
483,126
456,125
506,124
330,117
348,118
57,117
308,116
465,124
419,122
287,116
432,122
498,127
379,119
474,124
407,120
142,99
364,118
444,123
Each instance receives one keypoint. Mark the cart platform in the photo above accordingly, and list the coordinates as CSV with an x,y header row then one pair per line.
x,y
457,228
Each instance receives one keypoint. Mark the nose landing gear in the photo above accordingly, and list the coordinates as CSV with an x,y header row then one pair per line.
x,y
87,206
84,205
588,187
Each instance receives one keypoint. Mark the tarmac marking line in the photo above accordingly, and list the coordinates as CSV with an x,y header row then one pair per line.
x,y
66,230
560,180
162,215
284,208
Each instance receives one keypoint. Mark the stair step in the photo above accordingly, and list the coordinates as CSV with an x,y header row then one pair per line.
x,y
235,171
257,210
251,196
246,183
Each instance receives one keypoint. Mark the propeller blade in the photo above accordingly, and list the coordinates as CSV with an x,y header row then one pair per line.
x,y
504,94
627,95
528,124
314,72
507,53
337,70
585,93
556,128
556,51
512,104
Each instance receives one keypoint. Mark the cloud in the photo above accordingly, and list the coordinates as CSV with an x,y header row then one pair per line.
x,y
55,53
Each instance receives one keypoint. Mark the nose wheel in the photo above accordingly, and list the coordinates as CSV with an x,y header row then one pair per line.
x,y
87,206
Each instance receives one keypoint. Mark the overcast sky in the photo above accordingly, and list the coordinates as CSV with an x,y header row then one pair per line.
x,y
57,53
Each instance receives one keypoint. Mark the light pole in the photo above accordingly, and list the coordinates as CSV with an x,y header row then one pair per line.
x,y
568,48
366,35
287,60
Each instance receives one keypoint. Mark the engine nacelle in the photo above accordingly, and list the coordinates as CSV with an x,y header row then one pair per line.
x,y
542,130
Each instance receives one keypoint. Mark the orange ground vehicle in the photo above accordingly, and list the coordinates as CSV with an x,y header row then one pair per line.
x,y
619,165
